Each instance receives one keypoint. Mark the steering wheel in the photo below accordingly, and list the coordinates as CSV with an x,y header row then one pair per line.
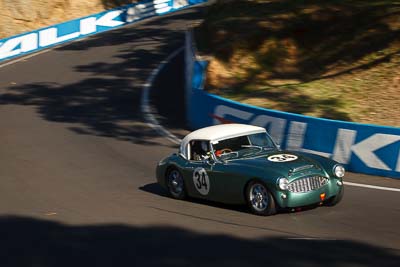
x,y
218,153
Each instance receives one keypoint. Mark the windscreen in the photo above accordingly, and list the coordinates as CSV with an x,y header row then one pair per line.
x,y
243,146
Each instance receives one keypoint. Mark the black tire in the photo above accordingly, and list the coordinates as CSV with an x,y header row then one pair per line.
x,y
259,199
175,184
335,199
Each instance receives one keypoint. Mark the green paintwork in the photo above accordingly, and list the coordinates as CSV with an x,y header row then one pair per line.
x,y
228,180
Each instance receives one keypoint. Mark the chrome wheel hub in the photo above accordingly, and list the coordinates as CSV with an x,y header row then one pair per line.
x,y
175,182
259,197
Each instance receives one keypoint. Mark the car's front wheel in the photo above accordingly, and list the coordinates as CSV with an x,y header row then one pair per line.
x,y
259,199
176,184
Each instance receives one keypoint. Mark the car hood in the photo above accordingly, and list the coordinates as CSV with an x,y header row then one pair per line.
x,y
283,163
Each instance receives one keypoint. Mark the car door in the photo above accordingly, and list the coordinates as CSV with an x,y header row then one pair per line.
x,y
227,183
199,179
213,181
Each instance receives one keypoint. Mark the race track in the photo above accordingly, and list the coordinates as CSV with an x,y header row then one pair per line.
x,y
78,183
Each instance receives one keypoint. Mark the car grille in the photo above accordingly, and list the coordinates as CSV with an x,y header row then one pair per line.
x,y
307,184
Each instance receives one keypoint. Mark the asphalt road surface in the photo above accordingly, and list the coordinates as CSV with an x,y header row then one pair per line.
x,y
77,182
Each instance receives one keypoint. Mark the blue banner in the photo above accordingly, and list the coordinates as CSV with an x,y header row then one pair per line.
x,y
68,31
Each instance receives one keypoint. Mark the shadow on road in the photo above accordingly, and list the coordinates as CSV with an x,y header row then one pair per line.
x,y
168,95
156,189
32,242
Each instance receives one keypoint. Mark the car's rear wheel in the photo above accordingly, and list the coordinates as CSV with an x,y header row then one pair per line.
x,y
176,184
259,199
336,199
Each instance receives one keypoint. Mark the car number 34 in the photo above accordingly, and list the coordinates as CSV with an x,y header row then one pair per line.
x,y
201,181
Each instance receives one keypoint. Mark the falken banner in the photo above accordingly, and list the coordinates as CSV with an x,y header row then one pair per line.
x,y
71,30
369,149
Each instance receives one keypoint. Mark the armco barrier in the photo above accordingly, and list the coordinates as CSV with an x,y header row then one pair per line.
x,y
71,30
362,148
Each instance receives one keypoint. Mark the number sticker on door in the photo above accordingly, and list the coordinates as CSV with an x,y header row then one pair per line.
x,y
201,181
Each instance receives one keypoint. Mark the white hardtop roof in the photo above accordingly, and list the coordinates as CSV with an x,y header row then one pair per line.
x,y
219,132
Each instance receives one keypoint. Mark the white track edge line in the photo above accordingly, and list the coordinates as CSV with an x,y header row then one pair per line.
x,y
149,117
19,59
373,186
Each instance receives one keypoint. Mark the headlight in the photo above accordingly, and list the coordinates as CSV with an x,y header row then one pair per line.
x,y
339,171
283,183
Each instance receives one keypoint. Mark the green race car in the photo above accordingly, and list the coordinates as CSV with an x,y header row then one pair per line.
x,y
238,164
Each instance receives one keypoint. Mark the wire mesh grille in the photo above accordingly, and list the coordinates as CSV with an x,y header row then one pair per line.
x,y
307,184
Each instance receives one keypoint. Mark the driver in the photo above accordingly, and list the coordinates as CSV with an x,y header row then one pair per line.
x,y
204,149
201,150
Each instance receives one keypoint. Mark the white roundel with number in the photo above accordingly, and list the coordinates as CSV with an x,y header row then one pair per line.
x,y
201,181
282,158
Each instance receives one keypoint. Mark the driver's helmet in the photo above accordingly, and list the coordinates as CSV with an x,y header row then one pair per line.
x,y
204,146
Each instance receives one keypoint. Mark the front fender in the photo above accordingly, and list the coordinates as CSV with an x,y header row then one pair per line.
x,y
164,165
268,176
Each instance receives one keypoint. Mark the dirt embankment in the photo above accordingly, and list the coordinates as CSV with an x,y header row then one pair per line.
x,y
18,16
